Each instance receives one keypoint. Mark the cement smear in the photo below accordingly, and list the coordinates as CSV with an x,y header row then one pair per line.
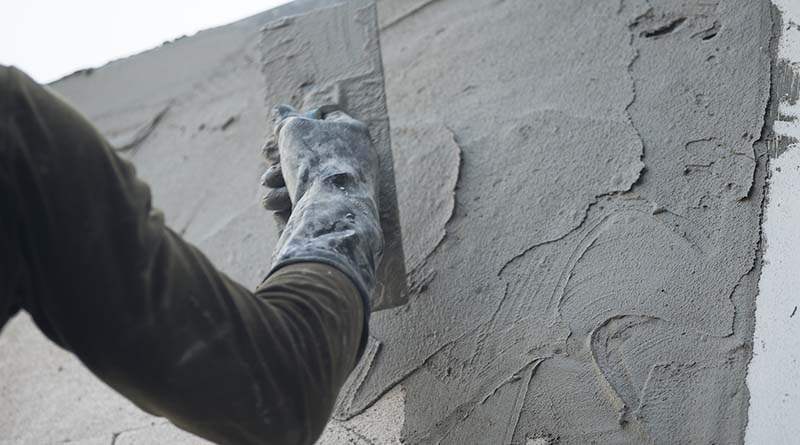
x,y
581,186
597,277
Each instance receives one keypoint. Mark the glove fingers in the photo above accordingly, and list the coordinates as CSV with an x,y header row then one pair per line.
x,y
273,177
270,150
277,200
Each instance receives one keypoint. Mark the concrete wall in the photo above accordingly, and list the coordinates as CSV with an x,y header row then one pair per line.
x,y
581,189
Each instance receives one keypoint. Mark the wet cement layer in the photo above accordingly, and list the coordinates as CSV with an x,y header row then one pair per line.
x,y
580,193
597,276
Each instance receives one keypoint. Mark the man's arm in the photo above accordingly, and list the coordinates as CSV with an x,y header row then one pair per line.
x,y
103,277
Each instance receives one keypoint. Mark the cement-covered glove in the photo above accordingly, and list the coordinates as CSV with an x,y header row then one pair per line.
x,y
324,179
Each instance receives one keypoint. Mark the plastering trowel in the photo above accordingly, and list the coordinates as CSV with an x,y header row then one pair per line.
x,y
331,57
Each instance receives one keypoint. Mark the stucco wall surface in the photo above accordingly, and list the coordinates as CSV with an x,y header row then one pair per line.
x,y
580,186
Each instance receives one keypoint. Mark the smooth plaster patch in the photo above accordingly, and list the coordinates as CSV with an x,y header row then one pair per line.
x,y
428,161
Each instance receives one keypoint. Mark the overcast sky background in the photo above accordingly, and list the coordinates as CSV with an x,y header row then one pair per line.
x,y
49,39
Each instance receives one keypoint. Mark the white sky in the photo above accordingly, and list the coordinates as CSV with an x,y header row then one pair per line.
x,y
49,39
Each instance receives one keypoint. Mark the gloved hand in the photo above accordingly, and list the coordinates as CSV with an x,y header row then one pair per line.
x,y
314,146
324,179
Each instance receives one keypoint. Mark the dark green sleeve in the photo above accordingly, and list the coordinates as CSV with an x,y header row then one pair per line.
x,y
103,277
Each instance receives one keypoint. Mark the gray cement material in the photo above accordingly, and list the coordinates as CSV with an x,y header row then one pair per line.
x,y
393,12
580,190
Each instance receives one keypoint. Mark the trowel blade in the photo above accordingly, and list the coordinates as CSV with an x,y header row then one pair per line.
x,y
332,56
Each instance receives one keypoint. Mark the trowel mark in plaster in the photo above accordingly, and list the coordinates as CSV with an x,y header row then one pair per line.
x,y
509,393
738,346
658,271
501,331
629,382
436,365
477,415
532,136
489,358
731,353
589,239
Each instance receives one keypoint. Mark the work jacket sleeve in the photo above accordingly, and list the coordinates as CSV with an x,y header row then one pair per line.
x,y
94,264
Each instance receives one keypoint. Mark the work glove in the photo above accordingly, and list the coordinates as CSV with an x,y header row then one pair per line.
x,y
323,182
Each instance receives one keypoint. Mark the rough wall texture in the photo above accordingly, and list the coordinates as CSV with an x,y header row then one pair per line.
x,y
580,190
597,276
